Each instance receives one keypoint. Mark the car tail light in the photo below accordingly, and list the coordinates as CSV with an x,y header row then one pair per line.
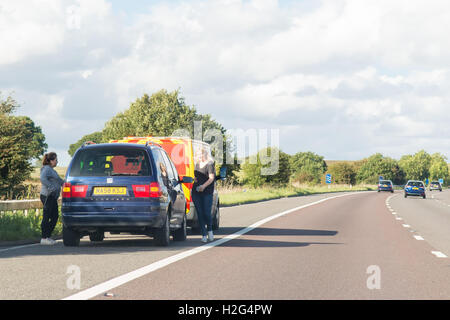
x,y
76,191
66,190
141,191
147,191
155,190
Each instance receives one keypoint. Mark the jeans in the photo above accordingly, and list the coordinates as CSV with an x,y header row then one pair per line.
x,y
203,206
50,215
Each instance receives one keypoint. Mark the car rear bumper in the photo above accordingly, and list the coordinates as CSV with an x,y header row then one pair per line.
x,y
385,189
410,193
81,220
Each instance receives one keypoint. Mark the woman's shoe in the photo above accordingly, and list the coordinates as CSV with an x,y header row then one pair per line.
x,y
210,236
47,242
204,240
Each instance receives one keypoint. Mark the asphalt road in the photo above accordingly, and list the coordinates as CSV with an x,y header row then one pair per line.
x,y
347,247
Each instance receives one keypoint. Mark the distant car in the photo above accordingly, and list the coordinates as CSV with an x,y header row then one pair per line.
x,y
385,185
415,188
435,185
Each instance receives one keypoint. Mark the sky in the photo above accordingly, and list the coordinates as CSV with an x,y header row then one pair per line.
x,y
342,78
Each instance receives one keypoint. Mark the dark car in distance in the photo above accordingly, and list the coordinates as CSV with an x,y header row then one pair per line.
x,y
385,185
132,188
415,188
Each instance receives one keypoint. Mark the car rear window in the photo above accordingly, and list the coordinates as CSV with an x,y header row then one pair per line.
x,y
385,182
415,184
110,161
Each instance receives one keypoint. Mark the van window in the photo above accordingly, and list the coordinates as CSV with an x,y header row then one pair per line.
x,y
110,161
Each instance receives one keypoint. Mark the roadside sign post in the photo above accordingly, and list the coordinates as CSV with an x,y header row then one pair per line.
x,y
328,180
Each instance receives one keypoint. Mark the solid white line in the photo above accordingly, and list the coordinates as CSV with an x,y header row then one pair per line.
x,y
439,254
118,281
20,247
419,238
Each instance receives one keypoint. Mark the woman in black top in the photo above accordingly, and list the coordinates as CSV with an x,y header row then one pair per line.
x,y
202,192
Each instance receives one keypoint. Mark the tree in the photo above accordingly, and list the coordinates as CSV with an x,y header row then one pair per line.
x,y
307,167
439,168
269,166
96,137
21,141
417,166
343,172
377,165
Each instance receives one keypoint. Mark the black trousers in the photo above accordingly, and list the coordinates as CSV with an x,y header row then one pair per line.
x,y
50,215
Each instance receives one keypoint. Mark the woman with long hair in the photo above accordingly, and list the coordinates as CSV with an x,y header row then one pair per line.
x,y
202,191
50,190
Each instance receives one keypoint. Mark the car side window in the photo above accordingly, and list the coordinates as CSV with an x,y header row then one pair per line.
x,y
168,166
160,166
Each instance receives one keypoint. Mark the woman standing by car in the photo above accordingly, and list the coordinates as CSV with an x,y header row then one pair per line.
x,y
202,191
50,190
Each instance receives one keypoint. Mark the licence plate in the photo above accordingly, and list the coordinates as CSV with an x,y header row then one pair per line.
x,y
385,186
101,191
415,188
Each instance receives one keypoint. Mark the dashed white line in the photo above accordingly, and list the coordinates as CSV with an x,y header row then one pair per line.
x,y
419,238
406,225
439,254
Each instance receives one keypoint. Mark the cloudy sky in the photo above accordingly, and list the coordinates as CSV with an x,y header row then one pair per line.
x,y
342,78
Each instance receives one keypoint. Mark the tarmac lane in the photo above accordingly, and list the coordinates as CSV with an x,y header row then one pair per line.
x,y
349,247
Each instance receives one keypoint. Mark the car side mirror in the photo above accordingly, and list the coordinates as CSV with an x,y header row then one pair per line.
x,y
187,180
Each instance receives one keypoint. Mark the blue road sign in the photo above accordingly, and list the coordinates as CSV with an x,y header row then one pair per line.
x,y
441,181
381,178
328,178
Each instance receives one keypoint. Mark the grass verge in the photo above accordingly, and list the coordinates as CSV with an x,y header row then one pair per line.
x,y
241,195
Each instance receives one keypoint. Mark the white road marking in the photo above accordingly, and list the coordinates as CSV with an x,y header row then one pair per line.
x,y
120,280
20,247
398,218
419,238
439,254
406,225
394,212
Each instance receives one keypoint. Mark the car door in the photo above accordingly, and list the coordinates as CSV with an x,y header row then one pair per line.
x,y
175,190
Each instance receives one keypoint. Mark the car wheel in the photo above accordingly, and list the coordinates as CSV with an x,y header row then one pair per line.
x,y
216,218
162,235
71,238
406,195
180,234
424,196
97,236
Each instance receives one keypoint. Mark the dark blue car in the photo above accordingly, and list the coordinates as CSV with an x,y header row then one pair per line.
x,y
132,188
415,188
385,185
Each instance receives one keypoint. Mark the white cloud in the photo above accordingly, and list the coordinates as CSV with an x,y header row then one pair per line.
x,y
373,73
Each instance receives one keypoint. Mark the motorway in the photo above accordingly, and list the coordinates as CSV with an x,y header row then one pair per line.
x,y
362,245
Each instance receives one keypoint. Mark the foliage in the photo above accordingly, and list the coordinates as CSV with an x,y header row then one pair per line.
x,y
377,165
21,141
417,166
96,137
439,168
307,167
268,166
342,173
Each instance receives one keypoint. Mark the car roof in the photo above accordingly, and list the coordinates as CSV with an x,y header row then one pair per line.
x,y
121,145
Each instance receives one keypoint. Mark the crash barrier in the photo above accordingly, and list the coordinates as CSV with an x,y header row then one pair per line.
x,y
22,205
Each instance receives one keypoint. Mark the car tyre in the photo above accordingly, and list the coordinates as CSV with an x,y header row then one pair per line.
x,y
97,236
406,195
216,218
181,234
71,238
162,235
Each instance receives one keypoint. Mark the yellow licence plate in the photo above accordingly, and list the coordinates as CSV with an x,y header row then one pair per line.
x,y
415,188
101,191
